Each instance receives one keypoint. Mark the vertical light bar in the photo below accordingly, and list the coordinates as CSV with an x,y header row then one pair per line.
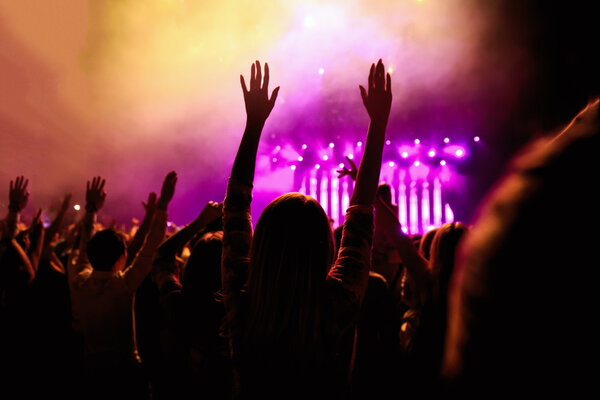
x,y
437,202
324,195
313,183
303,186
414,208
402,207
449,213
425,212
345,196
335,198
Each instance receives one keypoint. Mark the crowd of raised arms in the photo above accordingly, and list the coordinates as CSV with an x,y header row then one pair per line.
x,y
292,308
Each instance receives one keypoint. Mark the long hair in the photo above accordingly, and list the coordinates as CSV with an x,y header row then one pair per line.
x,y
443,254
292,251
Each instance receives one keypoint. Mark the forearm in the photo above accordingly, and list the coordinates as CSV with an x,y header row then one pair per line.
x,y
368,172
12,220
139,237
245,160
35,249
175,242
24,259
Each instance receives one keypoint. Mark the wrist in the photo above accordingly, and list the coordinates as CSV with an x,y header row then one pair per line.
x,y
91,208
15,208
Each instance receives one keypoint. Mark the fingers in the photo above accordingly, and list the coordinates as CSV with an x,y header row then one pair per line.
x,y
253,77
371,77
274,97
258,74
389,84
243,83
265,86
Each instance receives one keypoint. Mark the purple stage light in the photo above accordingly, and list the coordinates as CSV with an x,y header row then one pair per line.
x,y
476,139
417,141
274,159
304,146
300,158
350,156
443,162
325,158
359,144
446,140
417,163
388,142
277,148
459,153
317,166
404,154
341,165
391,164
431,153
293,167
331,145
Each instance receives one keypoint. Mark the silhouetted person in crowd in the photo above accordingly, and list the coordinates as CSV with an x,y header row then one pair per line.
x,y
524,298
292,306
102,291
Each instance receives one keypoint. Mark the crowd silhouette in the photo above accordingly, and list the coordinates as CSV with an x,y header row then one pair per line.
x,y
291,309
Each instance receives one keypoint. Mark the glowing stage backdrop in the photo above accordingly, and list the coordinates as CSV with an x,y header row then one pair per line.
x,y
132,89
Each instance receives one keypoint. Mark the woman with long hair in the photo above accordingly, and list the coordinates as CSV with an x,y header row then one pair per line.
x,y
291,304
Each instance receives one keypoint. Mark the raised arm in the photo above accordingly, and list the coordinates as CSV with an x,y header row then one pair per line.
x,y
353,263
36,238
94,199
237,221
18,196
175,242
135,274
58,220
140,235
350,172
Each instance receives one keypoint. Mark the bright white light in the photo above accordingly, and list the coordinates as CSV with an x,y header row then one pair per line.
x,y
277,148
390,70
417,163
359,144
446,140
442,162
325,158
391,164
304,147
317,166
293,167
476,139
417,141
300,158
321,71
341,165
309,21
77,207
459,153
431,153
405,154
388,142
274,159
351,156
331,145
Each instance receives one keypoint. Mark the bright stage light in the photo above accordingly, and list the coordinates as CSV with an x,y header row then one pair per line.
x,y
350,156
321,71
459,153
431,153
325,158
331,145
341,165
293,167
476,139
442,163
404,154
317,166
304,147
300,158
358,144
388,142
417,141
77,207
391,164
446,140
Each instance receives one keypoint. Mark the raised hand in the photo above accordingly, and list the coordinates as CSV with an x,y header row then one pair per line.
x,y
65,203
258,104
378,97
350,172
150,205
167,191
211,212
18,194
95,194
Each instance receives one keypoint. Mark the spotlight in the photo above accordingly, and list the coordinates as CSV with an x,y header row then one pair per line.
x,y
417,141
293,167
417,163
300,158
391,164
388,142
321,71
443,162
278,148
331,145
459,153
325,158
358,144
274,159
404,154
317,166
304,147
350,156
431,153
476,139
390,70
341,165
77,207
446,140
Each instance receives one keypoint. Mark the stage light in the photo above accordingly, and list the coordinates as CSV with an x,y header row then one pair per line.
x,y
390,70
304,147
321,71
442,163
388,142
459,153
325,158
431,153
417,141
446,140
278,148
317,166
476,139
300,158
331,145
350,156
293,167
404,154
391,164
359,144
77,207
274,159
341,165
417,163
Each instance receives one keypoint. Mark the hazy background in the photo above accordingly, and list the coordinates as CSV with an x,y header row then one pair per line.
x,y
130,89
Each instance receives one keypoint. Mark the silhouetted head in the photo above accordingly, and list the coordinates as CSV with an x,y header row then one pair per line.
x,y
442,254
105,249
384,191
425,243
202,272
292,251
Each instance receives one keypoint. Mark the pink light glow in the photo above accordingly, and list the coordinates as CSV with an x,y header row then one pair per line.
x,y
317,166
331,145
325,158
300,158
304,146
443,162
293,167
414,211
350,156
449,213
324,194
425,212
335,198
431,153
359,144
402,206
476,139
437,202
404,154
391,164
446,140
417,141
